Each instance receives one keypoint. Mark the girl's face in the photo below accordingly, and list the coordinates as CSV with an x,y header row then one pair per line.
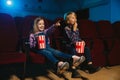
x,y
41,25
71,19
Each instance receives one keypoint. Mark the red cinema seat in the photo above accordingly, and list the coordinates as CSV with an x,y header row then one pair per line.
x,y
97,52
87,29
116,28
114,55
58,35
106,33
9,41
105,29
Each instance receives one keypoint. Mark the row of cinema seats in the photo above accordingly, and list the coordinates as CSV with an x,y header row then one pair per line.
x,y
99,36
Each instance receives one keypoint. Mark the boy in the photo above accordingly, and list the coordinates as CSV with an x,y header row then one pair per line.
x,y
72,36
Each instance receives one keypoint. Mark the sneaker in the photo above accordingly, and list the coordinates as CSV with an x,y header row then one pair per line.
x,y
63,67
75,74
77,62
91,69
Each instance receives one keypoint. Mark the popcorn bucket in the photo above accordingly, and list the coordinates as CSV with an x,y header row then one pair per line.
x,y
41,42
80,46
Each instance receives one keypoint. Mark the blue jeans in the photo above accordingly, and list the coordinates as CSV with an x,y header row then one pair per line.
x,y
51,54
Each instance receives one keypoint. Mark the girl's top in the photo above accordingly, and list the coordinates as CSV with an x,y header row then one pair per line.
x,y
46,32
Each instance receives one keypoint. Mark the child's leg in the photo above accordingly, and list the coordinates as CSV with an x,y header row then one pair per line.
x,y
61,66
60,54
88,55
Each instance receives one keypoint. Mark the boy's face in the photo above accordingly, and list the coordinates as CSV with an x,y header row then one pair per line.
x,y
41,25
71,19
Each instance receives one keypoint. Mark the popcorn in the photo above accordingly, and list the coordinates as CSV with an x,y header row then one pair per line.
x,y
80,46
41,42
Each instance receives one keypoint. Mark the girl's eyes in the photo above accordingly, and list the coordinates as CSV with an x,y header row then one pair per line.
x,y
40,24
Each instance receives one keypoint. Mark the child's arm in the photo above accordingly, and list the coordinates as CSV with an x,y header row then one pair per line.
x,y
52,28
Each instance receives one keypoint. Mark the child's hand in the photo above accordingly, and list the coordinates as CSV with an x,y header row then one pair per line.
x,y
83,42
57,23
75,26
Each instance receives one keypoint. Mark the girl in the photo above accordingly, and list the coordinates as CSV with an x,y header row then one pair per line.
x,y
47,51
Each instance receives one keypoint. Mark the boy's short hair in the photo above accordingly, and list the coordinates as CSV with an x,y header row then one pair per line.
x,y
68,13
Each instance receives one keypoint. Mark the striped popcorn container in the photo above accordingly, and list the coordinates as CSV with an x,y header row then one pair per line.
x,y
80,46
41,42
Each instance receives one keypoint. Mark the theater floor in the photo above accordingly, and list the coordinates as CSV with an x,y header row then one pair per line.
x,y
109,73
